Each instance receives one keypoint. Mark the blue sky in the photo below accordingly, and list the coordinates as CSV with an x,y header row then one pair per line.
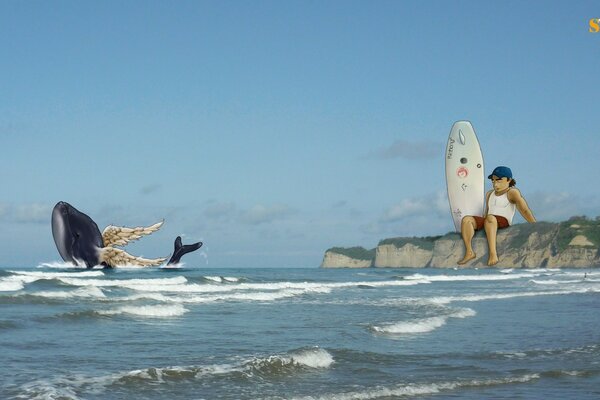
x,y
275,130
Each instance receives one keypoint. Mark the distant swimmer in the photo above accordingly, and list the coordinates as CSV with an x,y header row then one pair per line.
x,y
80,242
501,203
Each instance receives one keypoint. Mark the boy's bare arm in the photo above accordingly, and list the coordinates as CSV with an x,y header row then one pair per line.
x,y
515,197
487,203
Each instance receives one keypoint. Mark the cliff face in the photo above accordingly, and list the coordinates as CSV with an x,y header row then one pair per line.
x,y
335,260
574,243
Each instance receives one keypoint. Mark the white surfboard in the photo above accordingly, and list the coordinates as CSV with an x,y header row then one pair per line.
x,y
464,173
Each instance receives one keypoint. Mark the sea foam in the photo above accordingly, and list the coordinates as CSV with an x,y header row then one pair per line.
x,y
148,311
416,389
422,325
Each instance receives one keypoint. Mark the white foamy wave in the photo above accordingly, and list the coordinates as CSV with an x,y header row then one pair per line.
x,y
47,390
15,282
556,282
221,279
422,325
85,292
164,283
500,296
180,285
21,278
313,358
10,286
58,265
223,297
176,310
72,385
459,278
52,275
507,270
419,389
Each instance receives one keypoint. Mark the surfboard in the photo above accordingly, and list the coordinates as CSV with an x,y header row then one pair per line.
x,y
464,173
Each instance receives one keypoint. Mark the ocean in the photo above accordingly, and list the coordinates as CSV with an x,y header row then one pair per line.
x,y
199,333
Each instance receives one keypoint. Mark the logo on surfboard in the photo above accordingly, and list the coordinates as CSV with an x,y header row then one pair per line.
x,y
462,172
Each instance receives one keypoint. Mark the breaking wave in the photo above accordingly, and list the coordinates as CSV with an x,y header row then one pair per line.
x,y
411,390
162,311
500,296
421,325
75,385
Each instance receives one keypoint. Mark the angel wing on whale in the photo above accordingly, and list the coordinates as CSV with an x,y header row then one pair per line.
x,y
79,240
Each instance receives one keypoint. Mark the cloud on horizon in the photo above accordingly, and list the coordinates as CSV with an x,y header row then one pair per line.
x,y
36,213
557,206
260,214
149,189
219,210
434,204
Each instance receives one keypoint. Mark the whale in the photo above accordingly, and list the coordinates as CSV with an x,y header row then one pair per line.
x,y
80,242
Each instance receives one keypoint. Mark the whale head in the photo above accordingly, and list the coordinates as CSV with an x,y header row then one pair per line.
x,y
76,235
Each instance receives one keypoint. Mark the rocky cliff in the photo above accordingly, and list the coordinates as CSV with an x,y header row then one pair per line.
x,y
573,243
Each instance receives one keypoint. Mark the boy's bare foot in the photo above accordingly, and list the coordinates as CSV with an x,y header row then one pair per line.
x,y
492,260
468,257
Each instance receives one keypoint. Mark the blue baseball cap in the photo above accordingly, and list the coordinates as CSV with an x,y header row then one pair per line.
x,y
501,172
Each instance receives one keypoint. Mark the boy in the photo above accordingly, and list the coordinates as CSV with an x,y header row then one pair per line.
x,y
501,203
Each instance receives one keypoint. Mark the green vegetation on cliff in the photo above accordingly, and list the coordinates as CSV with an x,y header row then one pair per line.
x,y
357,253
425,243
523,231
579,225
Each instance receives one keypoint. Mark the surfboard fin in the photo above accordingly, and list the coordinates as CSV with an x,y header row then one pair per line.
x,y
182,249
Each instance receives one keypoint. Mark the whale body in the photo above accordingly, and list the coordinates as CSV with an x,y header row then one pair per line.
x,y
80,242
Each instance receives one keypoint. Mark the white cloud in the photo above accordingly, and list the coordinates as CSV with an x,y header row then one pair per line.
x,y
433,205
26,213
558,206
219,210
260,214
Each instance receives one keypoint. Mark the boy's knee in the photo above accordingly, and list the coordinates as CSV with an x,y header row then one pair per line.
x,y
467,220
490,219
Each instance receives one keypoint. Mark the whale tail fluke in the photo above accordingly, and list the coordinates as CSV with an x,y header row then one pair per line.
x,y
182,249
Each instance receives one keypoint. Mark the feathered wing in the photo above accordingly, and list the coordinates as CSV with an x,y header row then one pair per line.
x,y
120,235
114,257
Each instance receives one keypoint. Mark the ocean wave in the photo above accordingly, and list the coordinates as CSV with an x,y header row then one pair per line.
x,y
18,279
14,283
221,279
85,292
501,296
577,352
559,282
180,284
4,324
75,385
461,278
165,283
228,296
422,325
59,265
10,286
161,311
416,389
52,275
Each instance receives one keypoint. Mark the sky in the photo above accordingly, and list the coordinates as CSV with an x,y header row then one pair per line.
x,y
273,130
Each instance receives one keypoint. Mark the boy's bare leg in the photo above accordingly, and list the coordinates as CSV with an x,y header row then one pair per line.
x,y
467,230
491,227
